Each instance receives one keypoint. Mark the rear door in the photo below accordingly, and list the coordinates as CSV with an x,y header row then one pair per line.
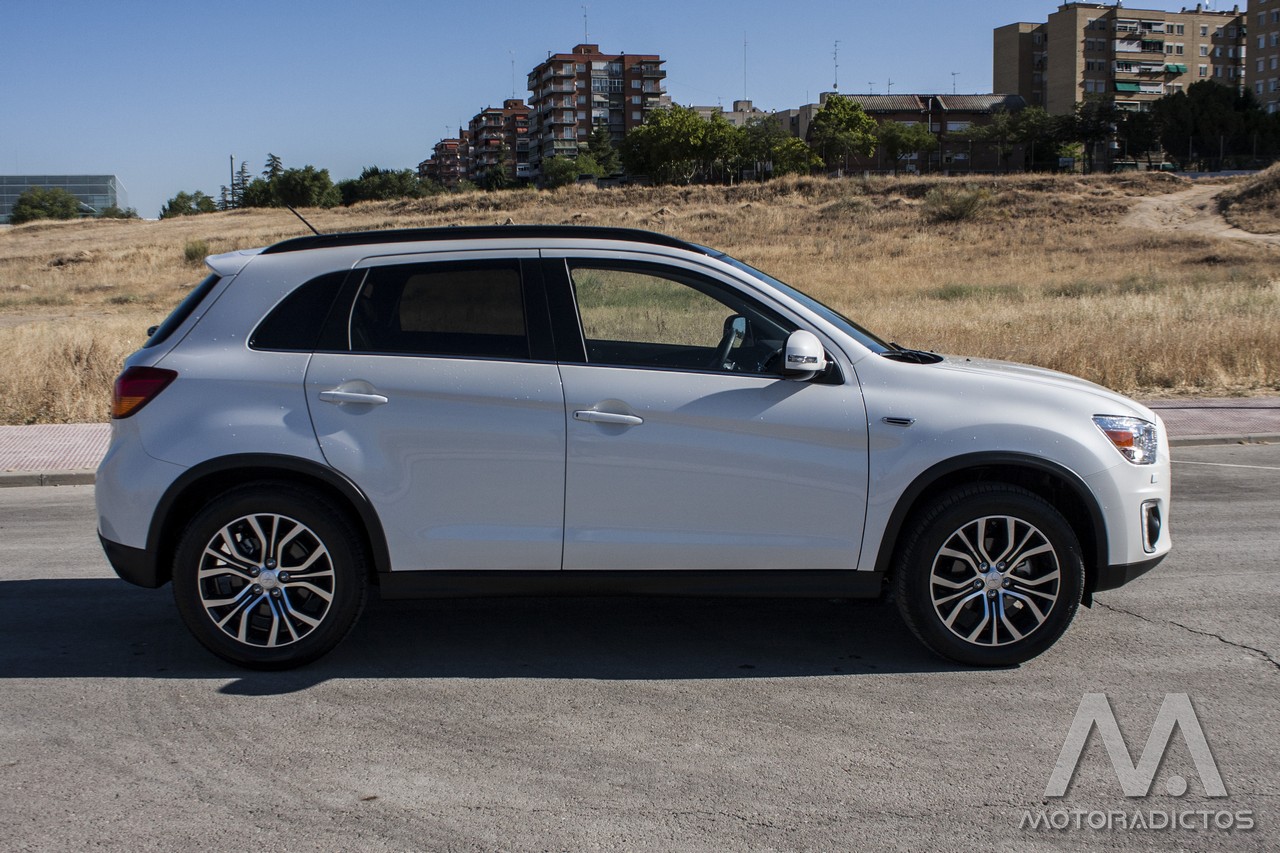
x,y
446,410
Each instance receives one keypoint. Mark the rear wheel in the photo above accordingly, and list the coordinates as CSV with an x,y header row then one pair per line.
x,y
991,575
269,576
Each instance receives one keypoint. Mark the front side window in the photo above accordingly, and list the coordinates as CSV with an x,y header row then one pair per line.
x,y
467,310
637,315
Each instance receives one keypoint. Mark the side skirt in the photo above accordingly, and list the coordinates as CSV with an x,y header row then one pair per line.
x,y
728,583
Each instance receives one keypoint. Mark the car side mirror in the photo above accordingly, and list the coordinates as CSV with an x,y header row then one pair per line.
x,y
803,357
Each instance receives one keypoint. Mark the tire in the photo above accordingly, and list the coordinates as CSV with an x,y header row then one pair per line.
x,y
278,607
989,575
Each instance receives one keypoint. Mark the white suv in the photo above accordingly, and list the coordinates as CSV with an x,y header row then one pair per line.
x,y
556,410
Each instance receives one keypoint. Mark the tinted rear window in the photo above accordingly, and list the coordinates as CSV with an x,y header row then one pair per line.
x,y
182,312
296,323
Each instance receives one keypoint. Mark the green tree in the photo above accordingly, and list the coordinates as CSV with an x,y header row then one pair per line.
x,y
840,130
188,204
376,184
240,183
1092,124
722,148
667,147
258,192
273,168
1139,132
40,203
899,141
1035,130
559,172
114,212
600,147
306,187
770,150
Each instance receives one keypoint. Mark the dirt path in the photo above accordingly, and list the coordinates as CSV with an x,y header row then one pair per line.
x,y
1194,211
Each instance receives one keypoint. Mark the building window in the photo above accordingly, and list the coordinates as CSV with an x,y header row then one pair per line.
x,y
1180,49
1204,30
635,116
1261,64
1257,87
1273,63
1217,71
1204,50
635,84
635,99
1204,71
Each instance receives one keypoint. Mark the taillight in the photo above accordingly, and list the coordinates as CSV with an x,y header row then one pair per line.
x,y
138,386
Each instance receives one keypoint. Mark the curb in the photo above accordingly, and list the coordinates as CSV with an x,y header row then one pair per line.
x,y
86,477
1208,440
48,478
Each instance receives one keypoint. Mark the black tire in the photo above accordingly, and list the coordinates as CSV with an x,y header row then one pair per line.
x,y
271,617
999,612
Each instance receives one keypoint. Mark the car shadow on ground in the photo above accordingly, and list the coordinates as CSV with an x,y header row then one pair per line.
x,y
106,628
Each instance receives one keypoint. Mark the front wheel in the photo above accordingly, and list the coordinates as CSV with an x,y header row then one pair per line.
x,y
269,576
990,575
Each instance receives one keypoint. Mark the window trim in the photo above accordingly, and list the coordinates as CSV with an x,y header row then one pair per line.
x,y
563,262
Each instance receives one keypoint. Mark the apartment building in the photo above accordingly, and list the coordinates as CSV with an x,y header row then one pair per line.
x,y
450,161
743,112
1264,52
948,117
500,138
574,93
1135,56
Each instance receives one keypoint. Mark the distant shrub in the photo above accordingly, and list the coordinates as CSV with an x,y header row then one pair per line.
x,y
955,204
195,251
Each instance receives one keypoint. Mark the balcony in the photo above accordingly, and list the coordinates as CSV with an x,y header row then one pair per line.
x,y
652,71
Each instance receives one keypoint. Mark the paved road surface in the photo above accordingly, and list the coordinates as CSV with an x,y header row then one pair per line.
x,y
628,724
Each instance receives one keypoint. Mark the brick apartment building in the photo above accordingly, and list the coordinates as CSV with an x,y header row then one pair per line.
x,y
500,137
1264,52
574,93
450,161
1134,55
947,117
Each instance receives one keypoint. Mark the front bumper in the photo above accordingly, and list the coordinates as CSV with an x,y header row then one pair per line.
x,y
1111,577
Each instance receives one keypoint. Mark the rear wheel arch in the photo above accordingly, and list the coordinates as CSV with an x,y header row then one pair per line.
x,y
203,482
1059,486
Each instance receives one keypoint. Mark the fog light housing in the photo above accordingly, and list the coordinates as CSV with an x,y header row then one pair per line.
x,y
1152,524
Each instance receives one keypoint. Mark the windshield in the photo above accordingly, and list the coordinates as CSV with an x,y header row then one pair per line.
x,y
835,318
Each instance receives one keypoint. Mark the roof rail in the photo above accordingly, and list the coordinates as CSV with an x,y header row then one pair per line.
x,y
477,232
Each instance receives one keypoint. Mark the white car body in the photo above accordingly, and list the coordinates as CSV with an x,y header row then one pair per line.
x,y
528,470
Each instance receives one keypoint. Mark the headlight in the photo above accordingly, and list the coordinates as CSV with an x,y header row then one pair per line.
x,y
1135,438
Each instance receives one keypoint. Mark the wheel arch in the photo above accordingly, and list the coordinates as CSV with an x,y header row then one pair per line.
x,y
197,485
1065,490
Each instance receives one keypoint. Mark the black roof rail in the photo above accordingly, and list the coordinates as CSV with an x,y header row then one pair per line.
x,y
478,232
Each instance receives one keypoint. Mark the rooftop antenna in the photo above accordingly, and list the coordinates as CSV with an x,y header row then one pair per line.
x,y
835,62
871,87
889,88
585,38
744,66
513,72
954,74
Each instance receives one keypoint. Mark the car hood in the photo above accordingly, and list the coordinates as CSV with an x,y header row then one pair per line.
x,y
1115,404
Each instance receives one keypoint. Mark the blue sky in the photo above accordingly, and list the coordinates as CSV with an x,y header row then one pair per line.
x,y
162,93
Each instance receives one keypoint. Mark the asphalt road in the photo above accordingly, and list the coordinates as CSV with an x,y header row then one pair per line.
x,y
633,724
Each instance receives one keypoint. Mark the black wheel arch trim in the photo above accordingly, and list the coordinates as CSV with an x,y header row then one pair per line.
x,y
262,466
987,459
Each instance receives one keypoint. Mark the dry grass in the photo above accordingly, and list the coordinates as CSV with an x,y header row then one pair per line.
x,y
1044,273
1254,204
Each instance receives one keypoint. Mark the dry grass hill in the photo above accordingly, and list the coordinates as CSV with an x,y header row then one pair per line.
x,y
1040,269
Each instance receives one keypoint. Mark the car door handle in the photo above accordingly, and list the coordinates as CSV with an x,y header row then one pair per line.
x,y
594,417
336,396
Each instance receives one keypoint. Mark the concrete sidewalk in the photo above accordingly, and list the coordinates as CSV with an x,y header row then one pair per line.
x,y
68,454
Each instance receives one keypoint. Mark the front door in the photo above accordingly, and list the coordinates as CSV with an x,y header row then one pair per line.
x,y
684,450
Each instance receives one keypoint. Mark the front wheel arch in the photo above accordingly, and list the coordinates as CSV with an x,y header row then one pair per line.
x,y
1057,485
